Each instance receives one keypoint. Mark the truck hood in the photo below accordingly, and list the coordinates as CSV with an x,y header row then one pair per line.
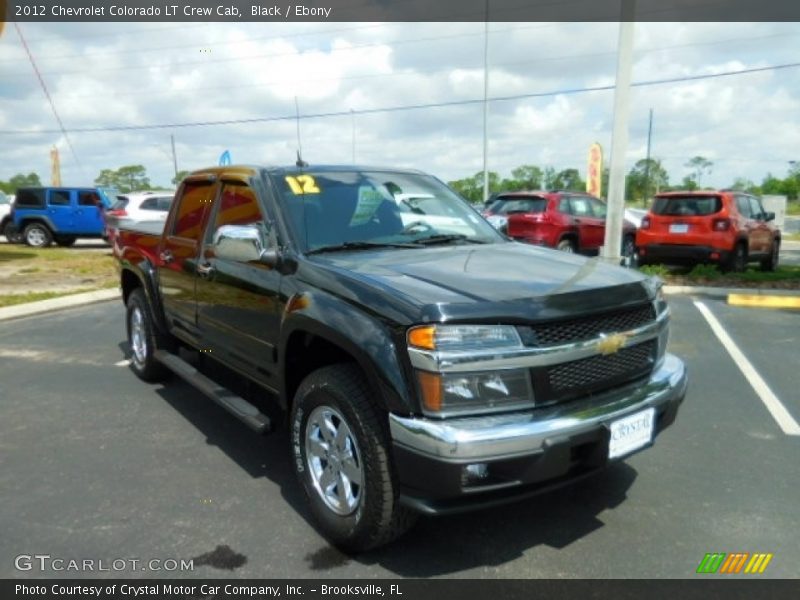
x,y
512,281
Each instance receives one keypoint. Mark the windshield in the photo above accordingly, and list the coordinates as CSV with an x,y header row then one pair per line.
x,y
3,198
686,206
329,209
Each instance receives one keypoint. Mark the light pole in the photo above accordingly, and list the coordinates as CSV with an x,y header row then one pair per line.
x,y
486,105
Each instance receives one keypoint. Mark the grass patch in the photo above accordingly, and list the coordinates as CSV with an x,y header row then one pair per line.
x,y
47,267
793,207
784,277
794,237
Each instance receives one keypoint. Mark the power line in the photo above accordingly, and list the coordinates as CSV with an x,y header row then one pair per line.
x,y
49,99
390,109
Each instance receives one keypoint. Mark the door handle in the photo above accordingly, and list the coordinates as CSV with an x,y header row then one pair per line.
x,y
166,256
205,270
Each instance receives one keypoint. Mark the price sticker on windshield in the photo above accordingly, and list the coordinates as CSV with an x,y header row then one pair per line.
x,y
302,184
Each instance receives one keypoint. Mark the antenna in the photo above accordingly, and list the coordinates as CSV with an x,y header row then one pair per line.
x,y
300,162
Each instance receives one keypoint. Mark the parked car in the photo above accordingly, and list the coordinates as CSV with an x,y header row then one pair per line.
x,y
139,211
6,222
421,212
419,371
59,214
635,216
726,227
568,221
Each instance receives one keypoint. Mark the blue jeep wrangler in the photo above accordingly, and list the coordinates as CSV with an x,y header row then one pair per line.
x,y
60,214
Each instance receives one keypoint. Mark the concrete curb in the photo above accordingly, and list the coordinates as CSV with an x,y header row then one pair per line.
x,y
43,306
723,292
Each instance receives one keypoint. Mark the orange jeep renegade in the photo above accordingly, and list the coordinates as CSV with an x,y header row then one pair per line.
x,y
725,227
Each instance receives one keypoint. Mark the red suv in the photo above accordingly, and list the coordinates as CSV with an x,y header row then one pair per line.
x,y
569,221
726,227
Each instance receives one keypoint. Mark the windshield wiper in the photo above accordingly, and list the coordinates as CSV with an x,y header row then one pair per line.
x,y
358,246
444,238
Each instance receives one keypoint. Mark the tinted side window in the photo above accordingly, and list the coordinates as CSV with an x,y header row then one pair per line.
x,y
30,197
581,207
598,208
193,202
59,198
88,199
563,206
237,206
743,204
756,210
149,204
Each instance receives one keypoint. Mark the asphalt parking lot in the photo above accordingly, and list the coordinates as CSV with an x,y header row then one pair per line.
x,y
95,464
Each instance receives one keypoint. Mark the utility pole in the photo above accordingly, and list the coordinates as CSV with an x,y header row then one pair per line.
x,y
619,139
174,156
647,164
486,105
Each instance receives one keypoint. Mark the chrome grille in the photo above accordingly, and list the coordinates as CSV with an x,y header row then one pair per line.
x,y
585,328
601,371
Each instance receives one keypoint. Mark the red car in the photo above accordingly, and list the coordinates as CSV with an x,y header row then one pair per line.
x,y
568,221
727,228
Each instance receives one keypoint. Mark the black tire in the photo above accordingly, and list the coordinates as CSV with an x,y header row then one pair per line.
x,y
353,516
10,231
566,245
37,235
144,339
65,240
771,263
738,259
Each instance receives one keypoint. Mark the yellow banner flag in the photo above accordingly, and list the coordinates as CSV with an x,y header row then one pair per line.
x,y
594,178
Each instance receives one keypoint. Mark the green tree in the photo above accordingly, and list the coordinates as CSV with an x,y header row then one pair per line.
x,y
549,178
179,177
741,184
130,178
688,183
20,180
699,166
471,188
645,178
527,177
569,179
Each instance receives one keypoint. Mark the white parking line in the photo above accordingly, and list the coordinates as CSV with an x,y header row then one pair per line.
x,y
123,363
778,411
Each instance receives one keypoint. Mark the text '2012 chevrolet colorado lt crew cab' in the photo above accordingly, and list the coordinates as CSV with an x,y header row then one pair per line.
x,y
426,365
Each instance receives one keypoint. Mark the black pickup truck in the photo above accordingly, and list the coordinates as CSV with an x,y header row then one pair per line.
x,y
424,362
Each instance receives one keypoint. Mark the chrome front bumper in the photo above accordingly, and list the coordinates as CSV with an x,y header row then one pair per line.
x,y
523,433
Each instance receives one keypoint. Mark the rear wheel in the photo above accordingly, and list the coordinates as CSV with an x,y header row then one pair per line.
x,y
37,235
738,260
566,245
144,339
342,458
771,263
10,231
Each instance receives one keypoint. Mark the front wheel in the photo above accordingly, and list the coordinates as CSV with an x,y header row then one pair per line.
x,y
144,339
342,458
566,245
771,263
37,235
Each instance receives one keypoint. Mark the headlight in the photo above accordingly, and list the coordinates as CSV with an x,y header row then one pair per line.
x,y
448,393
463,338
655,291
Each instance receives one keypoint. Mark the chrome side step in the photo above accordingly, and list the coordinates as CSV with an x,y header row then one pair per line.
x,y
236,405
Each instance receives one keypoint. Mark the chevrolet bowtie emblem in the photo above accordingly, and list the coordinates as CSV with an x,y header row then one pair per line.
x,y
610,344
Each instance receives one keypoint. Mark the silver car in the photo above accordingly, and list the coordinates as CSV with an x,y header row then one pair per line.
x,y
145,212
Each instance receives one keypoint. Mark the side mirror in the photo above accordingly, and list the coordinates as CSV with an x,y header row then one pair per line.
x,y
243,243
769,216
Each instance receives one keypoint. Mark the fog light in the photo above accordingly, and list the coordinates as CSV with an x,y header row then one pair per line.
x,y
474,473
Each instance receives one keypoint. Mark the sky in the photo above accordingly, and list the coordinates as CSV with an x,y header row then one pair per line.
x,y
368,77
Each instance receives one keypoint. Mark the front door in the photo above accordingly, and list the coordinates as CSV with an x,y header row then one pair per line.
x,y
88,218
177,257
239,307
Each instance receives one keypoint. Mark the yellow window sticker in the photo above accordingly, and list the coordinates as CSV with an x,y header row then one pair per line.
x,y
369,199
302,184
